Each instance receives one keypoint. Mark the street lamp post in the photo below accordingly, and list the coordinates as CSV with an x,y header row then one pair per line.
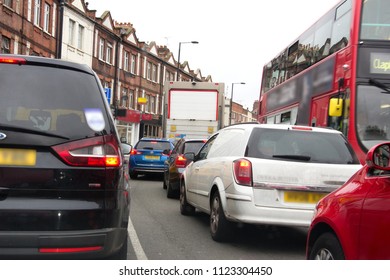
x,y
178,57
231,101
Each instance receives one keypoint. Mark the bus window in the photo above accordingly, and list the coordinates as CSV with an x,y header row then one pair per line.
x,y
375,20
322,37
271,119
288,117
285,117
341,27
373,113
292,55
305,54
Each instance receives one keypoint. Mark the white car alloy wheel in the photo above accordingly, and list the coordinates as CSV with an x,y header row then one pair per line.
x,y
220,228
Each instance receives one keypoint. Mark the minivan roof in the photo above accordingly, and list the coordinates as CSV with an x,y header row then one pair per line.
x,y
48,62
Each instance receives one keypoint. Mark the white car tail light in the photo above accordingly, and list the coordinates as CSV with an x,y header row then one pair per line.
x,y
242,170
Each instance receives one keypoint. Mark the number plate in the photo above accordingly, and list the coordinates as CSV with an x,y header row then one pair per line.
x,y
18,157
303,197
152,157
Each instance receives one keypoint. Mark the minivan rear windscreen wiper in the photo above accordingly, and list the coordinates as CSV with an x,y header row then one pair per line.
x,y
28,130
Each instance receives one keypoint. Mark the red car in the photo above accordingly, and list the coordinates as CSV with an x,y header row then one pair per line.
x,y
353,222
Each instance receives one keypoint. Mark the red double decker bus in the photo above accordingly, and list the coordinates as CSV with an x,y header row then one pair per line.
x,y
336,74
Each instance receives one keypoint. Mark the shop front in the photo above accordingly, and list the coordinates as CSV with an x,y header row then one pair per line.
x,y
128,126
135,125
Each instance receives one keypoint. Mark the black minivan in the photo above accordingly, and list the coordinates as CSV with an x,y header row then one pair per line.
x,y
63,191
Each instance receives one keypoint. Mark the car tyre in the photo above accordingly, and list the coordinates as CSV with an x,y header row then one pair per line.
x,y
327,247
220,228
171,193
165,182
185,208
133,175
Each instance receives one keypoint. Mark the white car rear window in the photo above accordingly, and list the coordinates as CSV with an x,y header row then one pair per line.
x,y
297,145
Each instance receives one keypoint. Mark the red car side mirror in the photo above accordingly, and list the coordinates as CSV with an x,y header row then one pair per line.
x,y
379,156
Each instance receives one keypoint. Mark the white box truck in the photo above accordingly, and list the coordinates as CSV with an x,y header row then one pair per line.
x,y
193,109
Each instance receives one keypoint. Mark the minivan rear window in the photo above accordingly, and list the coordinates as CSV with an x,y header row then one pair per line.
x,y
60,101
298,145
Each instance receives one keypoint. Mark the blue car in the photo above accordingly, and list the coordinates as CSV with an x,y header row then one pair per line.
x,y
148,156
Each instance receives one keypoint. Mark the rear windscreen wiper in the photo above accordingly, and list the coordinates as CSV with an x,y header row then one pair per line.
x,y
297,157
28,130
379,85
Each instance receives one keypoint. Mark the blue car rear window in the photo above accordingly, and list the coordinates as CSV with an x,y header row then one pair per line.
x,y
153,145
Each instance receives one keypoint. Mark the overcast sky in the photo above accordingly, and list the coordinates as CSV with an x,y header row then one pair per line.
x,y
236,38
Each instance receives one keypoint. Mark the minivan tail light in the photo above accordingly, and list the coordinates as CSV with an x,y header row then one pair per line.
x,y
181,161
91,152
12,60
242,171
301,128
70,250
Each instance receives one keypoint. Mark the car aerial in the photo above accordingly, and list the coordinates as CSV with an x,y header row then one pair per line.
x,y
63,192
176,163
148,156
353,221
264,174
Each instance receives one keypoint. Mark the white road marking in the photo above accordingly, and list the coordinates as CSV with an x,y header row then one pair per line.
x,y
139,251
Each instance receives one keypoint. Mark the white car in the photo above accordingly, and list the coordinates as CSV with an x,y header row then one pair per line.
x,y
264,174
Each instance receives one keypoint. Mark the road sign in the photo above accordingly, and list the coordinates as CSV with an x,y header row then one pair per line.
x,y
107,92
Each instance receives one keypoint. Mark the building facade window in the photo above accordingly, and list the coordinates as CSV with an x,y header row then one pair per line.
x,y
5,45
37,12
80,38
8,3
154,72
151,131
133,63
169,76
124,98
131,99
101,49
46,18
109,53
72,25
126,61
149,71
152,104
